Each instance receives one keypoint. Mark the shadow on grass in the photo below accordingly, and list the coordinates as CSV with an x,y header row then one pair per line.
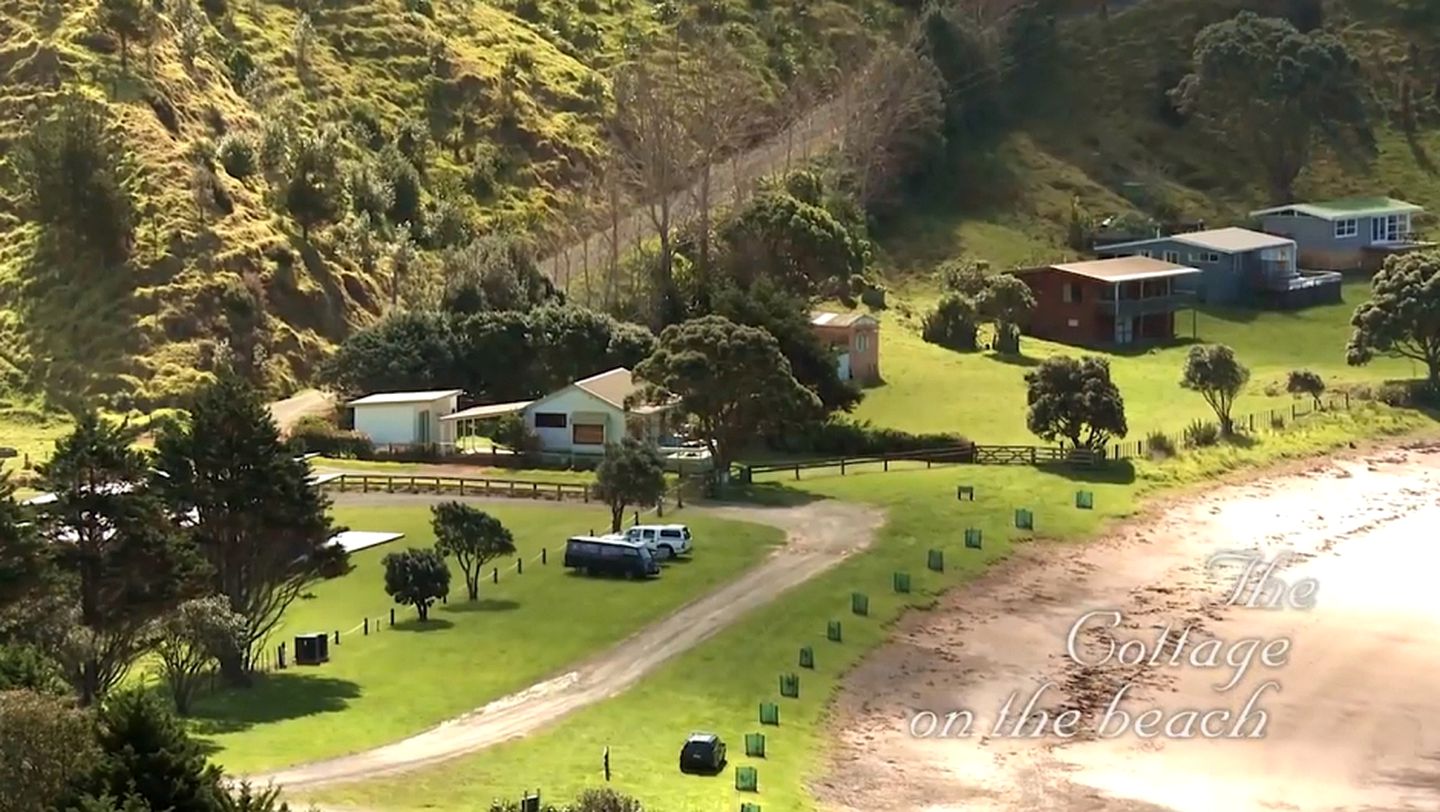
x,y
1236,315
1145,348
1013,360
1111,472
768,494
415,624
481,605
298,692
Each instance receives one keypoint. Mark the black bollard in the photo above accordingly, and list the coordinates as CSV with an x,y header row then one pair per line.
x,y
367,627
392,617
542,555
337,637
519,566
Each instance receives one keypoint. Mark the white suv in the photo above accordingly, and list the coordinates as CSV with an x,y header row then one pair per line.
x,y
663,540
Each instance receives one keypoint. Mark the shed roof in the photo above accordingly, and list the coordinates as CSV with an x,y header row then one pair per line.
x,y
1125,269
423,396
822,318
612,386
488,410
1230,240
1344,208
355,540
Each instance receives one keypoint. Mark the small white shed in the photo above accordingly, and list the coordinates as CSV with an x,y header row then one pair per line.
x,y
404,418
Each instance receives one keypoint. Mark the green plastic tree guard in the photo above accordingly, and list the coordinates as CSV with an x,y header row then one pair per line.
x,y
832,631
790,686
807,657
1085,500
747,779
755,745
972,538
936,560
749,807
1024,519
859,603
769,713
902,581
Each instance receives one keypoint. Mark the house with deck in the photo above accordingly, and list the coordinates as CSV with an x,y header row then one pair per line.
x,y
1350,234
404,418
1237,266
1109,302
855,338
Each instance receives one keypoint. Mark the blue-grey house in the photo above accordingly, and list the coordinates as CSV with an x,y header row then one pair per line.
x,y
1354,233
1238,267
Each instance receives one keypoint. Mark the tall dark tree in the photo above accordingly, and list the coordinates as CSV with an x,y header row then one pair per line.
x,y
731,378
405,351
1074,400
126,18
798,244
314,191
472,536
1215,372
417,578
24,560
121,556
147,756
1249,73
260,521
1402,318
630,474
73,180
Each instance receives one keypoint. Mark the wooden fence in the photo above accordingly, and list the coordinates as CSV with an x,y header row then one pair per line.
x,y
970,454
1274,419
460,486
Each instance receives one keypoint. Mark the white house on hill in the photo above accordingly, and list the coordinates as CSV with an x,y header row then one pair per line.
x,y
578,419
405,418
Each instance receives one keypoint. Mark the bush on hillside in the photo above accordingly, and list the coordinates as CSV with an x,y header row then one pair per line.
x,y
1201,433
314,434
1160,444
845,438
237,156
952,324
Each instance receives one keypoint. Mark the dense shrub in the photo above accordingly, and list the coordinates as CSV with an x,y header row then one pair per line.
x,y
1201,433
1160,444
315,434
845,437
952,324
237,156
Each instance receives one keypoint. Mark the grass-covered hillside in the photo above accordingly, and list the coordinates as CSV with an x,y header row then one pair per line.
x,y
439,119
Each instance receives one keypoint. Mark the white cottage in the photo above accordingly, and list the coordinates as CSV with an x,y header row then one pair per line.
x,y
405,418
580,418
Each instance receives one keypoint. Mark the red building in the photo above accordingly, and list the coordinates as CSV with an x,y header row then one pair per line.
x,y
1118,301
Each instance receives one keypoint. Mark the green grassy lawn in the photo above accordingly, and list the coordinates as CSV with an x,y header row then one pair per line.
x,y
982,395
397,681
719,685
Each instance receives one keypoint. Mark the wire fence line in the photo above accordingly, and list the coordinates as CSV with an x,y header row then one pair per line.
x,y
1274,419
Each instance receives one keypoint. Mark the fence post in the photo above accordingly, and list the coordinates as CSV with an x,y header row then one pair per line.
x,y
367,627
559,494
585,491
842,466
1292,412
494,576
461,481
660,506
885,461
1252,422
1347,401
797,472
543,555
392,616
520,566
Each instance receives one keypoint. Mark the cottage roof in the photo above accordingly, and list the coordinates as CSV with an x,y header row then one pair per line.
x,y
488,410
612,386
821,318
1344,208
425,396
1230,240
1125,269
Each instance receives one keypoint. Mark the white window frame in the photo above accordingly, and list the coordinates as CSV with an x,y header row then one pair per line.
x,y
1124,331
1067,292
1173,257
1347,228
1210,257
1388,228
1072,322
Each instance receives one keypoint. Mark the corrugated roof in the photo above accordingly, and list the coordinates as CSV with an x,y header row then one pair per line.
x,y
1345,207
488,410
424,396
1125,269
821,318
1232,240
612,386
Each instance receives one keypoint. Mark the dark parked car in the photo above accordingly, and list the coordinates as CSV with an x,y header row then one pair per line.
x,y
702,753
610,556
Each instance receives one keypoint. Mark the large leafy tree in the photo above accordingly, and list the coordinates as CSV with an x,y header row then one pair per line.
x,y
731,378
630,474
494,272
314,189
1402,318
1275,93
786,316
1215,372
1074,400
472,536
123,560
408,350
417,578
199,633
259,520
45,743
796,243
1008,302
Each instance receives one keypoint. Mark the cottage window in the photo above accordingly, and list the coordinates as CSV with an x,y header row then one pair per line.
x,y
1145,253
1072,323
1346,228
1389,228
1172,257
1209,257
588,434
860,342
1124,331
1067,292
549,420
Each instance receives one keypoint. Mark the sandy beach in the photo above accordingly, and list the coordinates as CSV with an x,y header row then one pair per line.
x,y
1351,720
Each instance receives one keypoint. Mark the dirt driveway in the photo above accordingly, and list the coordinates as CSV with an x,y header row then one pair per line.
x,y
1351,715
818,536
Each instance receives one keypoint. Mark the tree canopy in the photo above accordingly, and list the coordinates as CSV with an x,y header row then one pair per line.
x,y
1074,400
1402,317
417,578
731,378
798,244
472,536
630,474
1215,372
1275,92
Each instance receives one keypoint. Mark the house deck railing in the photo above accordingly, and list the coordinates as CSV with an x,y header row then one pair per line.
x,y
1147,305
1304,280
